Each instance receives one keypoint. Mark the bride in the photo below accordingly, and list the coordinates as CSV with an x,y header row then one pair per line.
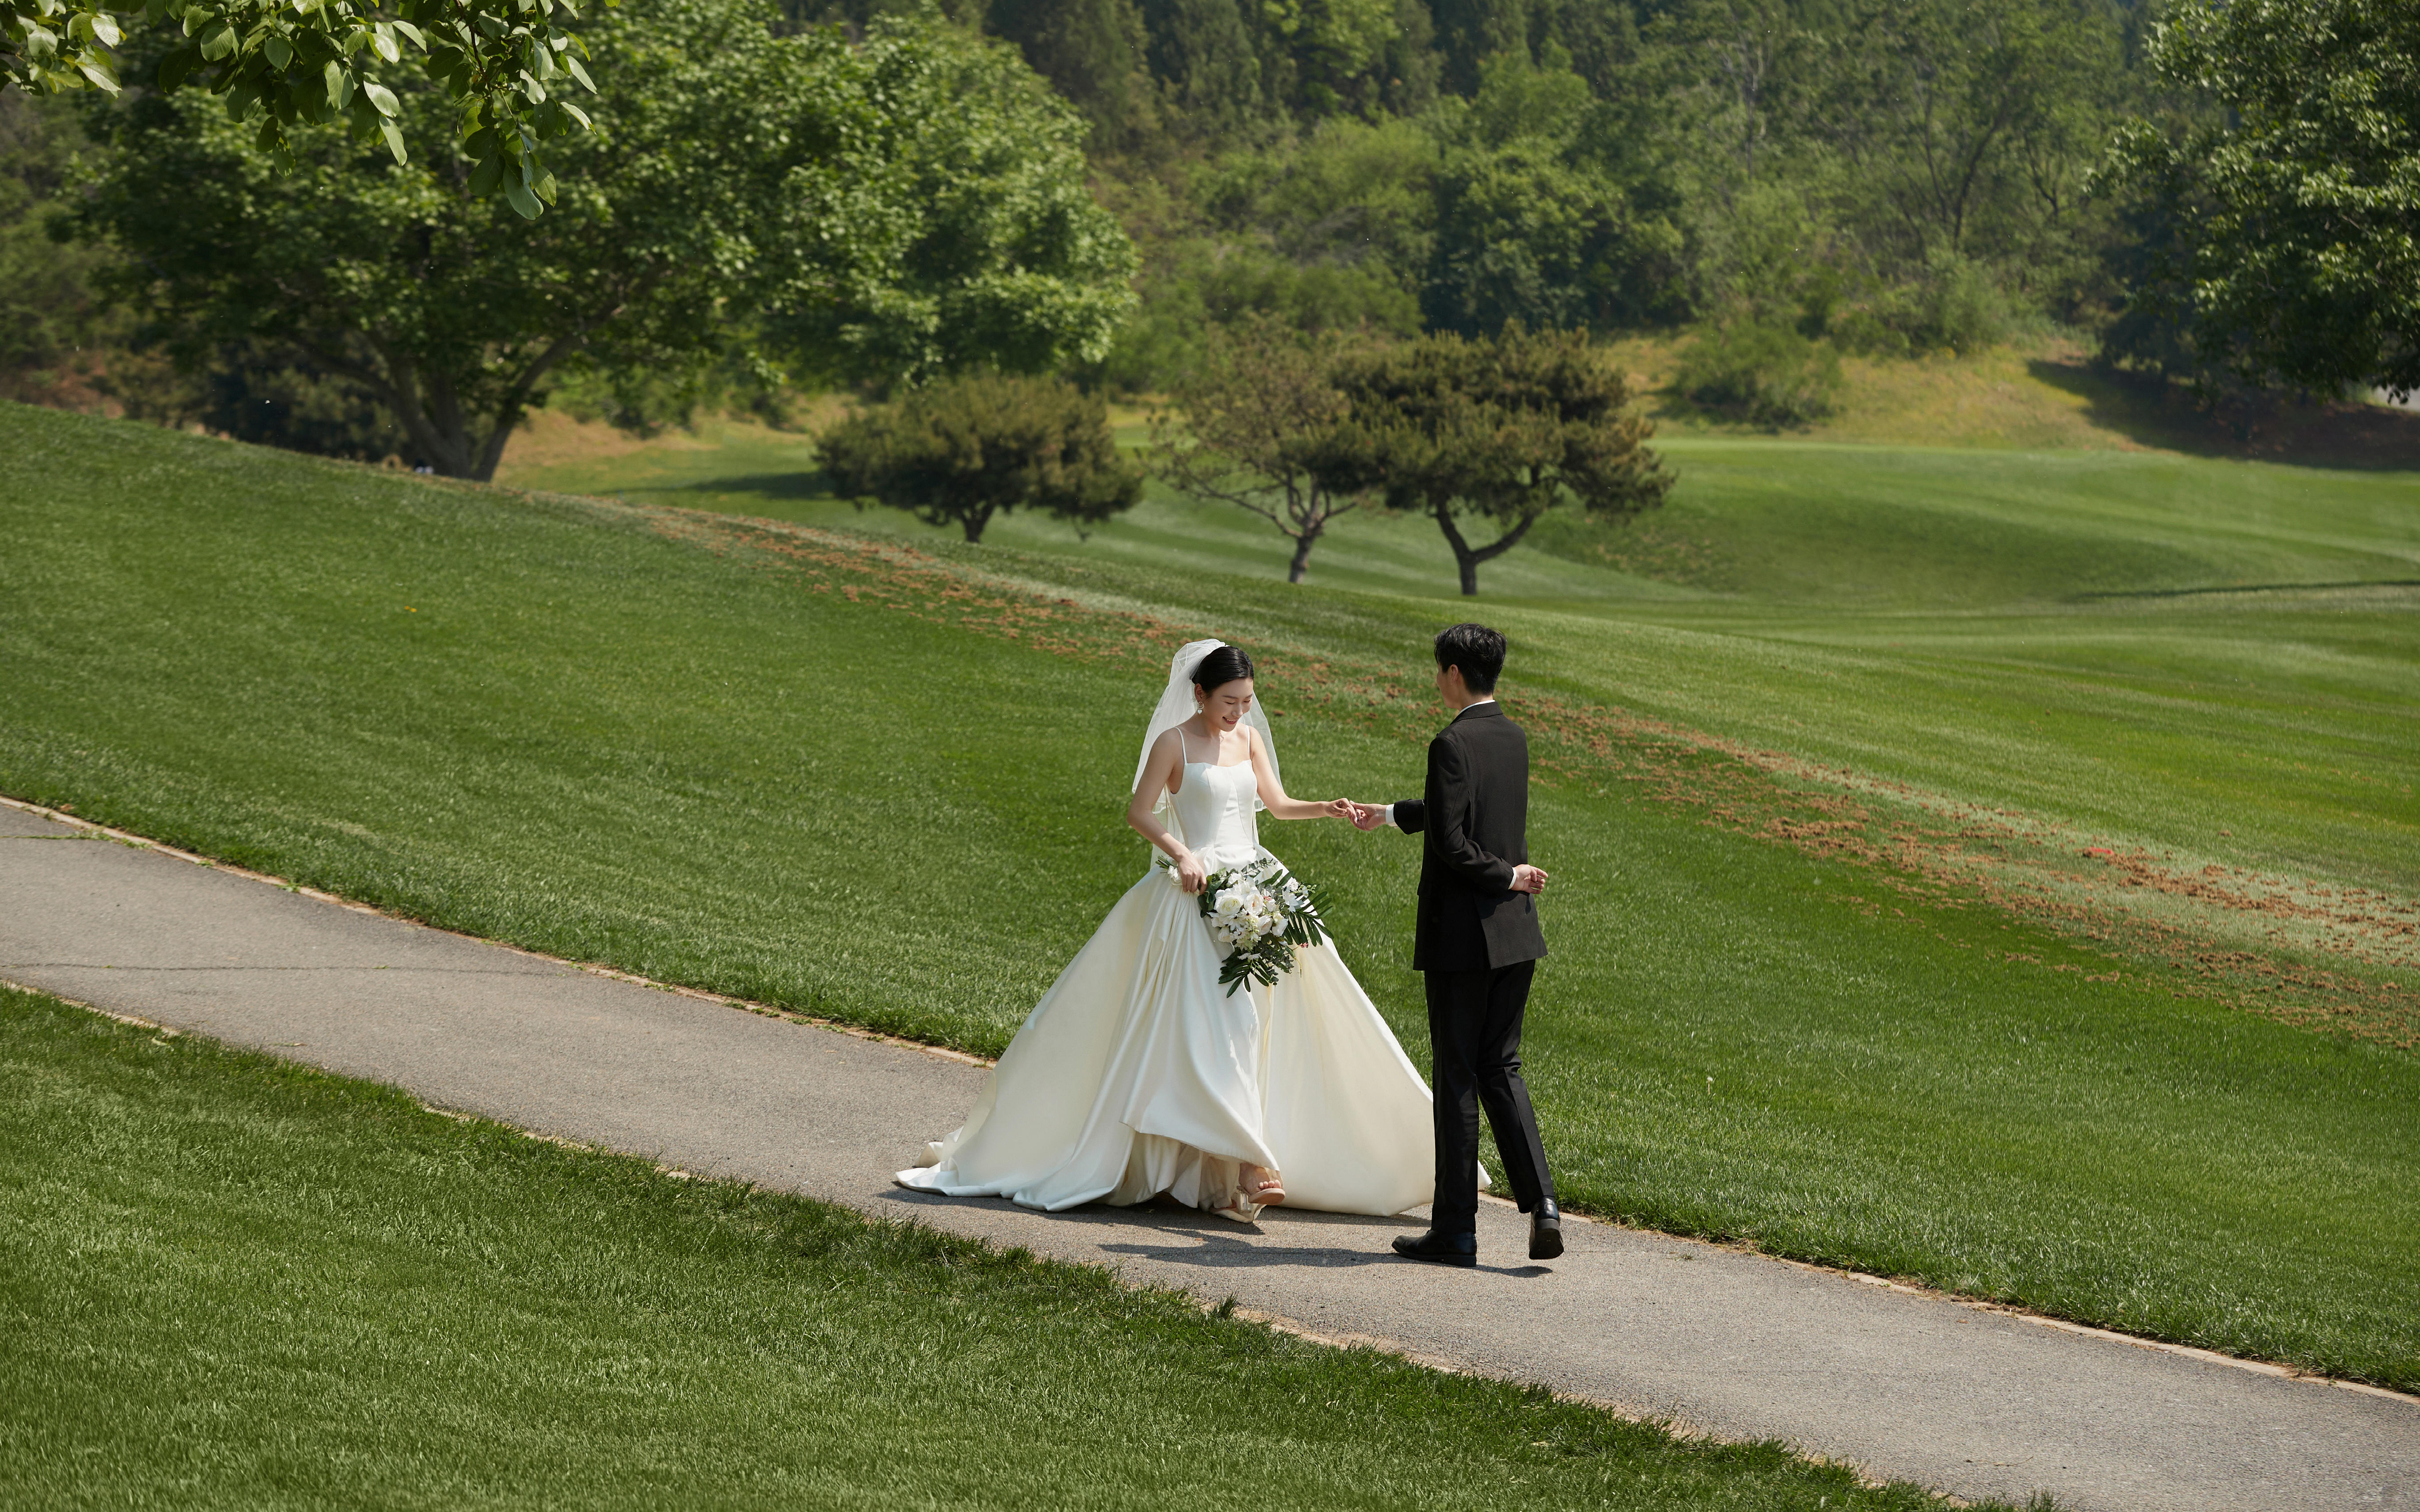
x,y
1138,1076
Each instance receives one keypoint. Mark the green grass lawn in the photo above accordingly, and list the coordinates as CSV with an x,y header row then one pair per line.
x,y
2153,647
1774,520
230,1282
558,724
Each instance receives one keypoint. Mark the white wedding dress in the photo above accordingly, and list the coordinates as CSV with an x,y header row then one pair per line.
x,y
1137,1074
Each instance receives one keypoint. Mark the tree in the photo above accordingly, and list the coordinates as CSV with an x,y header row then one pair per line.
x,y
736,182
1092,53
1257,412
963,449
1498,430
1530,226
2293,252
281,66
1972,121
52,325
1875,158
968,236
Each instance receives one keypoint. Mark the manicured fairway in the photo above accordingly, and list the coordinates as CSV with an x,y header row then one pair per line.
x,y
887,791
229,1282
2153,648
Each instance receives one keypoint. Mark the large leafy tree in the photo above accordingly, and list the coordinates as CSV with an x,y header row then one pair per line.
x,y
965,234
1492,433
736,182
280,64
1534,222
2291,219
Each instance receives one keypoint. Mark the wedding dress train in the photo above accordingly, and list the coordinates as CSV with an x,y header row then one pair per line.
x,y
1137,1074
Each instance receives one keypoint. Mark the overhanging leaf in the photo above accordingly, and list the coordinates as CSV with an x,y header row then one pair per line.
x,y
177,65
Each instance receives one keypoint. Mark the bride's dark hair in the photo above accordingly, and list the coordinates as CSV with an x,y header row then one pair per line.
x,y
1221,666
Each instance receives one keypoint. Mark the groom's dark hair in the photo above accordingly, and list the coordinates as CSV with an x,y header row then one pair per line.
x,y
1476,649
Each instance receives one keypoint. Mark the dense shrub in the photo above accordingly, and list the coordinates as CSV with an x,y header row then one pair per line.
x,y
1767,375
1956,304
966,448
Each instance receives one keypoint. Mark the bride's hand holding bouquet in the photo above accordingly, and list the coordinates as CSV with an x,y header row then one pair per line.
x,y
1192,873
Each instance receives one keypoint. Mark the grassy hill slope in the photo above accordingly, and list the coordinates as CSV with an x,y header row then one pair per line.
x,y
678,744
2203,656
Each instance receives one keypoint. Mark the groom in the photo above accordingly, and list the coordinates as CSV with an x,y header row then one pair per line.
x,y
1478,943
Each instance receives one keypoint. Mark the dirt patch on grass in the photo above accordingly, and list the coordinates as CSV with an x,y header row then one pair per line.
x,y
2343,959
915,582
553,437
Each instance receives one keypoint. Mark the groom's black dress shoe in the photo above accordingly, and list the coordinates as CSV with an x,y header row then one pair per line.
x,y
1545,1230
1440,1249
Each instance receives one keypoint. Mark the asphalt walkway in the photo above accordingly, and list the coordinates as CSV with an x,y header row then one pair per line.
x,y
1962,1398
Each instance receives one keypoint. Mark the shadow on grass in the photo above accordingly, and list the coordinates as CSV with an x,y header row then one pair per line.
x,y
2245,588
2156,412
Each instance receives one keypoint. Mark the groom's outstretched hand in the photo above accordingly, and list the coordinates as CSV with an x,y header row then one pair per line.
x,y
1528,878
1368,815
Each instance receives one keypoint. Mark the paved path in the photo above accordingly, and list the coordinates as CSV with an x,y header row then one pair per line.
x,y
1957,1398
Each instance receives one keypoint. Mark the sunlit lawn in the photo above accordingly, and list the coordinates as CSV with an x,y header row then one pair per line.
x,y
228,1282
539,722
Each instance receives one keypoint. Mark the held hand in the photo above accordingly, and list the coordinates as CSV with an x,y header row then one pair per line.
x,y
1369,815
1341,808
1529,879
1191,872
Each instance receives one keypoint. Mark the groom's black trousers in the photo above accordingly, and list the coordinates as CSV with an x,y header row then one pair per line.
x,y
1475,1030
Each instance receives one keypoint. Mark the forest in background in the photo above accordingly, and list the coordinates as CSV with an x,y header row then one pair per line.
x,y
1794,178
1881,175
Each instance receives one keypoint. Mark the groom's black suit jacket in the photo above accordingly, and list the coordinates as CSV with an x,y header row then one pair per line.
x,y
1473,818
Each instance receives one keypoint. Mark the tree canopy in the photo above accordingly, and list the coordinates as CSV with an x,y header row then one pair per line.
x,y
1258,413
966,230
279,65
966,448
741,188
2293,214
1496,430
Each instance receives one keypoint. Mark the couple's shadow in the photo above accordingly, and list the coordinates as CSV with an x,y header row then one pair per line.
x,y
1217,1244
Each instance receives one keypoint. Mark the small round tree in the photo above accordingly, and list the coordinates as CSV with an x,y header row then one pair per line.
x,y
964,449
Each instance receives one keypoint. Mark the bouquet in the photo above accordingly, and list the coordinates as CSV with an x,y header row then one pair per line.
x,y
1263,913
